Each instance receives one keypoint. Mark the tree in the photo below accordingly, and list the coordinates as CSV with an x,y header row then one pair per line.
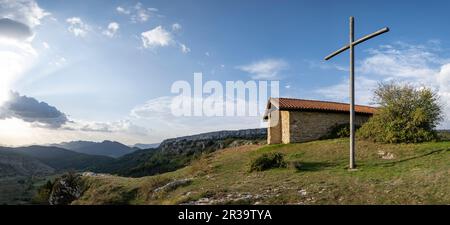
x,y
406,114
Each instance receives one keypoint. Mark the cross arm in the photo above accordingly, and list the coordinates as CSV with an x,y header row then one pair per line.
x,y
365,38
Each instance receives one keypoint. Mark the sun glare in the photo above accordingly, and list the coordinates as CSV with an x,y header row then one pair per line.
x,y
15,57
14,131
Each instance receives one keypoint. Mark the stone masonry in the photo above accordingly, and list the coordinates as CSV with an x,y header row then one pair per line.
x,y
301,126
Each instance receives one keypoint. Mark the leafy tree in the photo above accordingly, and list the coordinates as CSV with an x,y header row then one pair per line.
x,y
406,114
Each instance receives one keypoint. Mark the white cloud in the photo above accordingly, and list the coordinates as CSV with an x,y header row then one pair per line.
x,y
142,14
207,54
339,92
157,113
24,120
120,126
415,64
77,27
112,29
17,54
265,69
31,110
24,11
138,13
184,48
16,57
326,65
58,62
16,30
157,37
46,45
176,27
154,107
17,132
405,61
122,10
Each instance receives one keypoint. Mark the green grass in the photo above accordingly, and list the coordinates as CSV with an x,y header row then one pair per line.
x,y
316,174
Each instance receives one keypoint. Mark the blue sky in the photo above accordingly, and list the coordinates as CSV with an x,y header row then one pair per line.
x,y
92,62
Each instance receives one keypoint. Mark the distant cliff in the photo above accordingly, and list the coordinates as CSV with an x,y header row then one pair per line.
x,y
259,133
205,140
175,153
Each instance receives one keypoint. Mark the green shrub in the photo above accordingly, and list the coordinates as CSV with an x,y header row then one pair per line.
x,y
406,115
339,131
43,193
444,135
66,189
268,161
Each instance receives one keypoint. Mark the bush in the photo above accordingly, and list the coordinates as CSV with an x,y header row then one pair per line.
x,y
268,161
339,131
444,135
406,115
66,189
43,194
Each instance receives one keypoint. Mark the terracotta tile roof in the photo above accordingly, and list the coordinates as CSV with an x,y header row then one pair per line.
x,y
303,104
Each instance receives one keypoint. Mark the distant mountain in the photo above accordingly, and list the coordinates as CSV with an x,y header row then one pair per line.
x,y
106,148
63,159
146,146
74,144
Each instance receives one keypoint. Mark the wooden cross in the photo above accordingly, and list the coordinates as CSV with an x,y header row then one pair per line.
x,y
351,46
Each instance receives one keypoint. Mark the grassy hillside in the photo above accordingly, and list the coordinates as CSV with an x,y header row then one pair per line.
x,y
317,174
14,164
17,174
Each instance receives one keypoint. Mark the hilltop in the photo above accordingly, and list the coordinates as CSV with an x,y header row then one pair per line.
x,y
105,148
316,174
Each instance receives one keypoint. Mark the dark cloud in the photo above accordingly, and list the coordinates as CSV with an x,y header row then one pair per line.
x,y
13,29
31,110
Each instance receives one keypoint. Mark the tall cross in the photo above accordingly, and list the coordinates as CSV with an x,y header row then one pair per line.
x,y
351,46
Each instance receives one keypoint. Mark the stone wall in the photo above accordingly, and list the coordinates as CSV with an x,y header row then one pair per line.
x,y
308,126
285,127
274,128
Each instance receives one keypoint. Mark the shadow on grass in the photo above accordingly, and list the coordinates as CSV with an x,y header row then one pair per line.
x,y
312,166
392,163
